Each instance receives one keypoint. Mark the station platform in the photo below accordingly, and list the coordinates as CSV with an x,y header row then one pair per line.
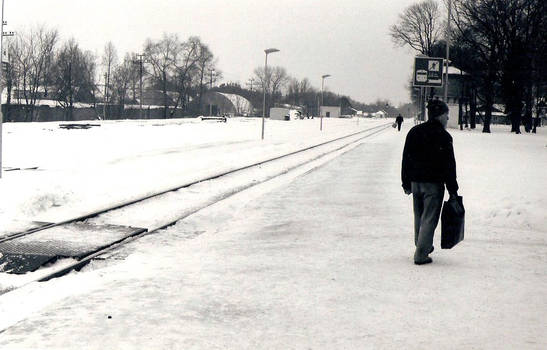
x,y
320,262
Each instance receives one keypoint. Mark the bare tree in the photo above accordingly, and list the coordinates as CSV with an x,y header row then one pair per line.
x,y
10,77
31,54
293,91
135,75
279,79
477,25
205,64
74,72
505,36
109,62
418,27
122,78
523,34
272,81
186,66
297,89
305,85
162,57
262,78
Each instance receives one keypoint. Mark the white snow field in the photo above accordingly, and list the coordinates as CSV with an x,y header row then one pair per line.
x,y
319,258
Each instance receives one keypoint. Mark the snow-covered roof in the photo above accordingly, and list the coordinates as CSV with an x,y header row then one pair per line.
x,y
238,101
456,71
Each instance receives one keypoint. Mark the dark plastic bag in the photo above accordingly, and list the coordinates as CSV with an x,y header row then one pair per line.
x,y
452,222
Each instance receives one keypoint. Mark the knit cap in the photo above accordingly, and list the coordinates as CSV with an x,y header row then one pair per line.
x,y
436,108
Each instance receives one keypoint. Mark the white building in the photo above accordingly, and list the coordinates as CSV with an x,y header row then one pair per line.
x,y
280,113
330,111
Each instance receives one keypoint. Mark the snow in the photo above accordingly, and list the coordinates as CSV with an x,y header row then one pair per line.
x,y
118,161
320,257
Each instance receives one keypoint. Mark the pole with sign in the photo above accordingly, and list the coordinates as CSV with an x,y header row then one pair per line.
x,y
428,72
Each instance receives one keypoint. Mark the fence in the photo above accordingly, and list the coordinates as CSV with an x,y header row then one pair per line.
x,y
18,113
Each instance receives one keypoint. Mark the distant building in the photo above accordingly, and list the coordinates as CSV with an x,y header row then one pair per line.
x,y
330,111
219,103
379,114
285,113
458,95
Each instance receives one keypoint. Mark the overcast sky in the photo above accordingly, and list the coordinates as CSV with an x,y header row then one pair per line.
x,y
347,39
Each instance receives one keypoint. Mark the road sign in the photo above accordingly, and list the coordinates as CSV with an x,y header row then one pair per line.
x,y
428,71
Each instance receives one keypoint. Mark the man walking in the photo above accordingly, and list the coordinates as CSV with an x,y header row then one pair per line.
x,y
428,165
399,121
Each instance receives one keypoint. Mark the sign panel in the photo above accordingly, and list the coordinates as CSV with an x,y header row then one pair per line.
x,y
428,71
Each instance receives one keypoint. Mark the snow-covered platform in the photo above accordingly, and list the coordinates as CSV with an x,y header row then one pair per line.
x,y
320,261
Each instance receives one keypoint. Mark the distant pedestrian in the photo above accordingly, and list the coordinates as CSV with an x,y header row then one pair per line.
x,y
428,164
399,120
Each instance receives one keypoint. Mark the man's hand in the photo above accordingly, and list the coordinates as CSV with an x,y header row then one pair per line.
x,y
453,195
407,191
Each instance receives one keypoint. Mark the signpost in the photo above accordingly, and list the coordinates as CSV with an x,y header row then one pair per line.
x,y
428,71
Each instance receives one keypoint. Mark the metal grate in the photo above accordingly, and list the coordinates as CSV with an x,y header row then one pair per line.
x,y
74,240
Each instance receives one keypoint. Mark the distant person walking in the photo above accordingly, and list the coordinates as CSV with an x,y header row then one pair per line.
x,y
399,120
428,164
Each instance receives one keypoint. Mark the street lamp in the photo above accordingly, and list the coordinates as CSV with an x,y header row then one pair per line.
x,y
210,94
267,51
320,113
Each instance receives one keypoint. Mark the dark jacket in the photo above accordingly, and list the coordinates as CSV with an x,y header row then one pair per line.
x,y
428,156
399,119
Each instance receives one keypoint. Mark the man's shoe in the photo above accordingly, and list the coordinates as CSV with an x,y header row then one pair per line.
x,y
427,260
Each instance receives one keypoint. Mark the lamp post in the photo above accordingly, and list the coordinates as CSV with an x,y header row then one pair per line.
x,y
320,113
210,96
266,80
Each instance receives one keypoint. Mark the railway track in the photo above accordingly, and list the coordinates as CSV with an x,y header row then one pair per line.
x,y
332,146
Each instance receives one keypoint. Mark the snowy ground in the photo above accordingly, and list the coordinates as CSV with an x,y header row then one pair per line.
x,y
83,170
319,259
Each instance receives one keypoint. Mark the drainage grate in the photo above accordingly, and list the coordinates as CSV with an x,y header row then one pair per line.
x,y
75,240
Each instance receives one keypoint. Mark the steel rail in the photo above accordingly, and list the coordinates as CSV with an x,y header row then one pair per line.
x,y
86,259
178,187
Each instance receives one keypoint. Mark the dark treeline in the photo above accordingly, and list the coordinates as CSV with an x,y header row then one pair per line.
x,y
500,43
41,67
180,71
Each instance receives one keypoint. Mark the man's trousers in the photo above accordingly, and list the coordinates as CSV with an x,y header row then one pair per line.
x,y
427,200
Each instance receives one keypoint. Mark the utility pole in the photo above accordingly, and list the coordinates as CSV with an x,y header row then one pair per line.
x,y
105,95
210,88
250,84
140,62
